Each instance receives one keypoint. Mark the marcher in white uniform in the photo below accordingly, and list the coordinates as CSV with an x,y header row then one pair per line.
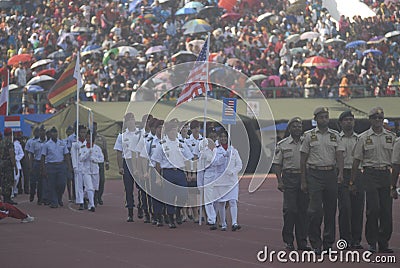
x,y
210,161
19,154
90,156
77,166
227,183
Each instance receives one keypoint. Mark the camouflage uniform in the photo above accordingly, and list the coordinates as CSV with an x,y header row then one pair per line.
x,y
6,169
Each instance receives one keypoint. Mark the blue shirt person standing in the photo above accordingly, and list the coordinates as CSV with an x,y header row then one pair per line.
x,y
55,159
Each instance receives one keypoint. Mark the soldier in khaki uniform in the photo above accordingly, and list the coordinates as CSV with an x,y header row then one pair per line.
x,y
295,202
321,157
351,204
396,167
374,151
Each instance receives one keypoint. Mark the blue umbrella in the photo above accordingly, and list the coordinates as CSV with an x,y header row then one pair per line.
x,y
199,28
34,88
278,127
355,44
91,47
186,11
375,52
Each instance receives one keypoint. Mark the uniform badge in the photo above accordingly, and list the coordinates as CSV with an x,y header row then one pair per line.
x,y
83,146
333,137
314,137
368,141
389,139
180,145
193,144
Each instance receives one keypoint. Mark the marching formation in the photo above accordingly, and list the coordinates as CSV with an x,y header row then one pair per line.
x,y
322,170
166,164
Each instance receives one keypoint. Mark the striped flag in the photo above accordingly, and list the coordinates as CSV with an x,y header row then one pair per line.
x,y
229,111
65,87
5,76
193,87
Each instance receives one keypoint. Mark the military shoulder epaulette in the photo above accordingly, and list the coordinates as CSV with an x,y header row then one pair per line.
x,y
282,141
312,131
333,131
181,141
162,141
200,139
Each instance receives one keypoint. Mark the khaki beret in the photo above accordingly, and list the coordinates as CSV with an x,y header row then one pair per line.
x,y
375,111
321,110
294,119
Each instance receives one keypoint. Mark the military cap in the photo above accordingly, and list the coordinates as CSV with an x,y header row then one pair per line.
x,y
53,129
69,128
347,113
319,110
375,111
7,131
294,119
42,127
194,124
129,116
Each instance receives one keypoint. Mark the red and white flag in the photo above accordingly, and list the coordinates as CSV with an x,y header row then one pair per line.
x,y
4,74
195,84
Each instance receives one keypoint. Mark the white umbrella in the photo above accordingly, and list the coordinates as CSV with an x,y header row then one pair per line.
x,y
267,16
258,77
41,78
309,35
155,49
12,86
392,34
293,38
123,49
334,41
80,29
41,62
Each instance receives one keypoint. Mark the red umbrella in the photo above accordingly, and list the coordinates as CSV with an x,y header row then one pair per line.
x,y
317,61
14,60
231,16
49,72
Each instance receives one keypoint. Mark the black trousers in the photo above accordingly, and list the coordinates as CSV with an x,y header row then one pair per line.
x,y
323,189
351,209
379,225
295,204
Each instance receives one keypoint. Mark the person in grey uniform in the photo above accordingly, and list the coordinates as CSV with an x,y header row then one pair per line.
x,y
295,201
374,151
321,164
395,168
350,203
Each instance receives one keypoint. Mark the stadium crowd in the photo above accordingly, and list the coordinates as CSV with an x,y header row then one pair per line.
x,y
122,43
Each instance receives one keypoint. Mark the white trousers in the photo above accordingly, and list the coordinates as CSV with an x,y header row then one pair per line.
x,y
78,178
91,183
17,177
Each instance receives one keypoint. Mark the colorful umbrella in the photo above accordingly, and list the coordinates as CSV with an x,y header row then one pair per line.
x,y
316,61
200,28
375,52
34,88
208,11
14,60
194,4
355,44
332,64
50,72
155,49
185,11
90,48
41,63
195,22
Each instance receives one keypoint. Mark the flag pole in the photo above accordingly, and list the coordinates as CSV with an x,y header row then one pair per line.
x,y
205,121
8,91
77,76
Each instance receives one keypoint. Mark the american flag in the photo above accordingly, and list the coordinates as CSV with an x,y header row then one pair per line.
x,y
229,109
193,87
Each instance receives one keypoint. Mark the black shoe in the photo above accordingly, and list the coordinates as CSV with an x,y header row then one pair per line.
x,y
372,248
213,227
172,225
304,248
53,206
386,250
357,246
92,209
101,202
81,207
61,203
85,203
236,227
31,197
140,213
130,219
146,219
179,220
289,246
159,223
317,251
11,202
46,203
166,220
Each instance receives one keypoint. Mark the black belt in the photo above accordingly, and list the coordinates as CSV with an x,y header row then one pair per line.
x,y
324,168
172,169
55,163
378,168
36,160
292,171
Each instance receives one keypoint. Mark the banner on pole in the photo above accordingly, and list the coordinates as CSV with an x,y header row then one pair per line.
x,y
13,122
229,111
